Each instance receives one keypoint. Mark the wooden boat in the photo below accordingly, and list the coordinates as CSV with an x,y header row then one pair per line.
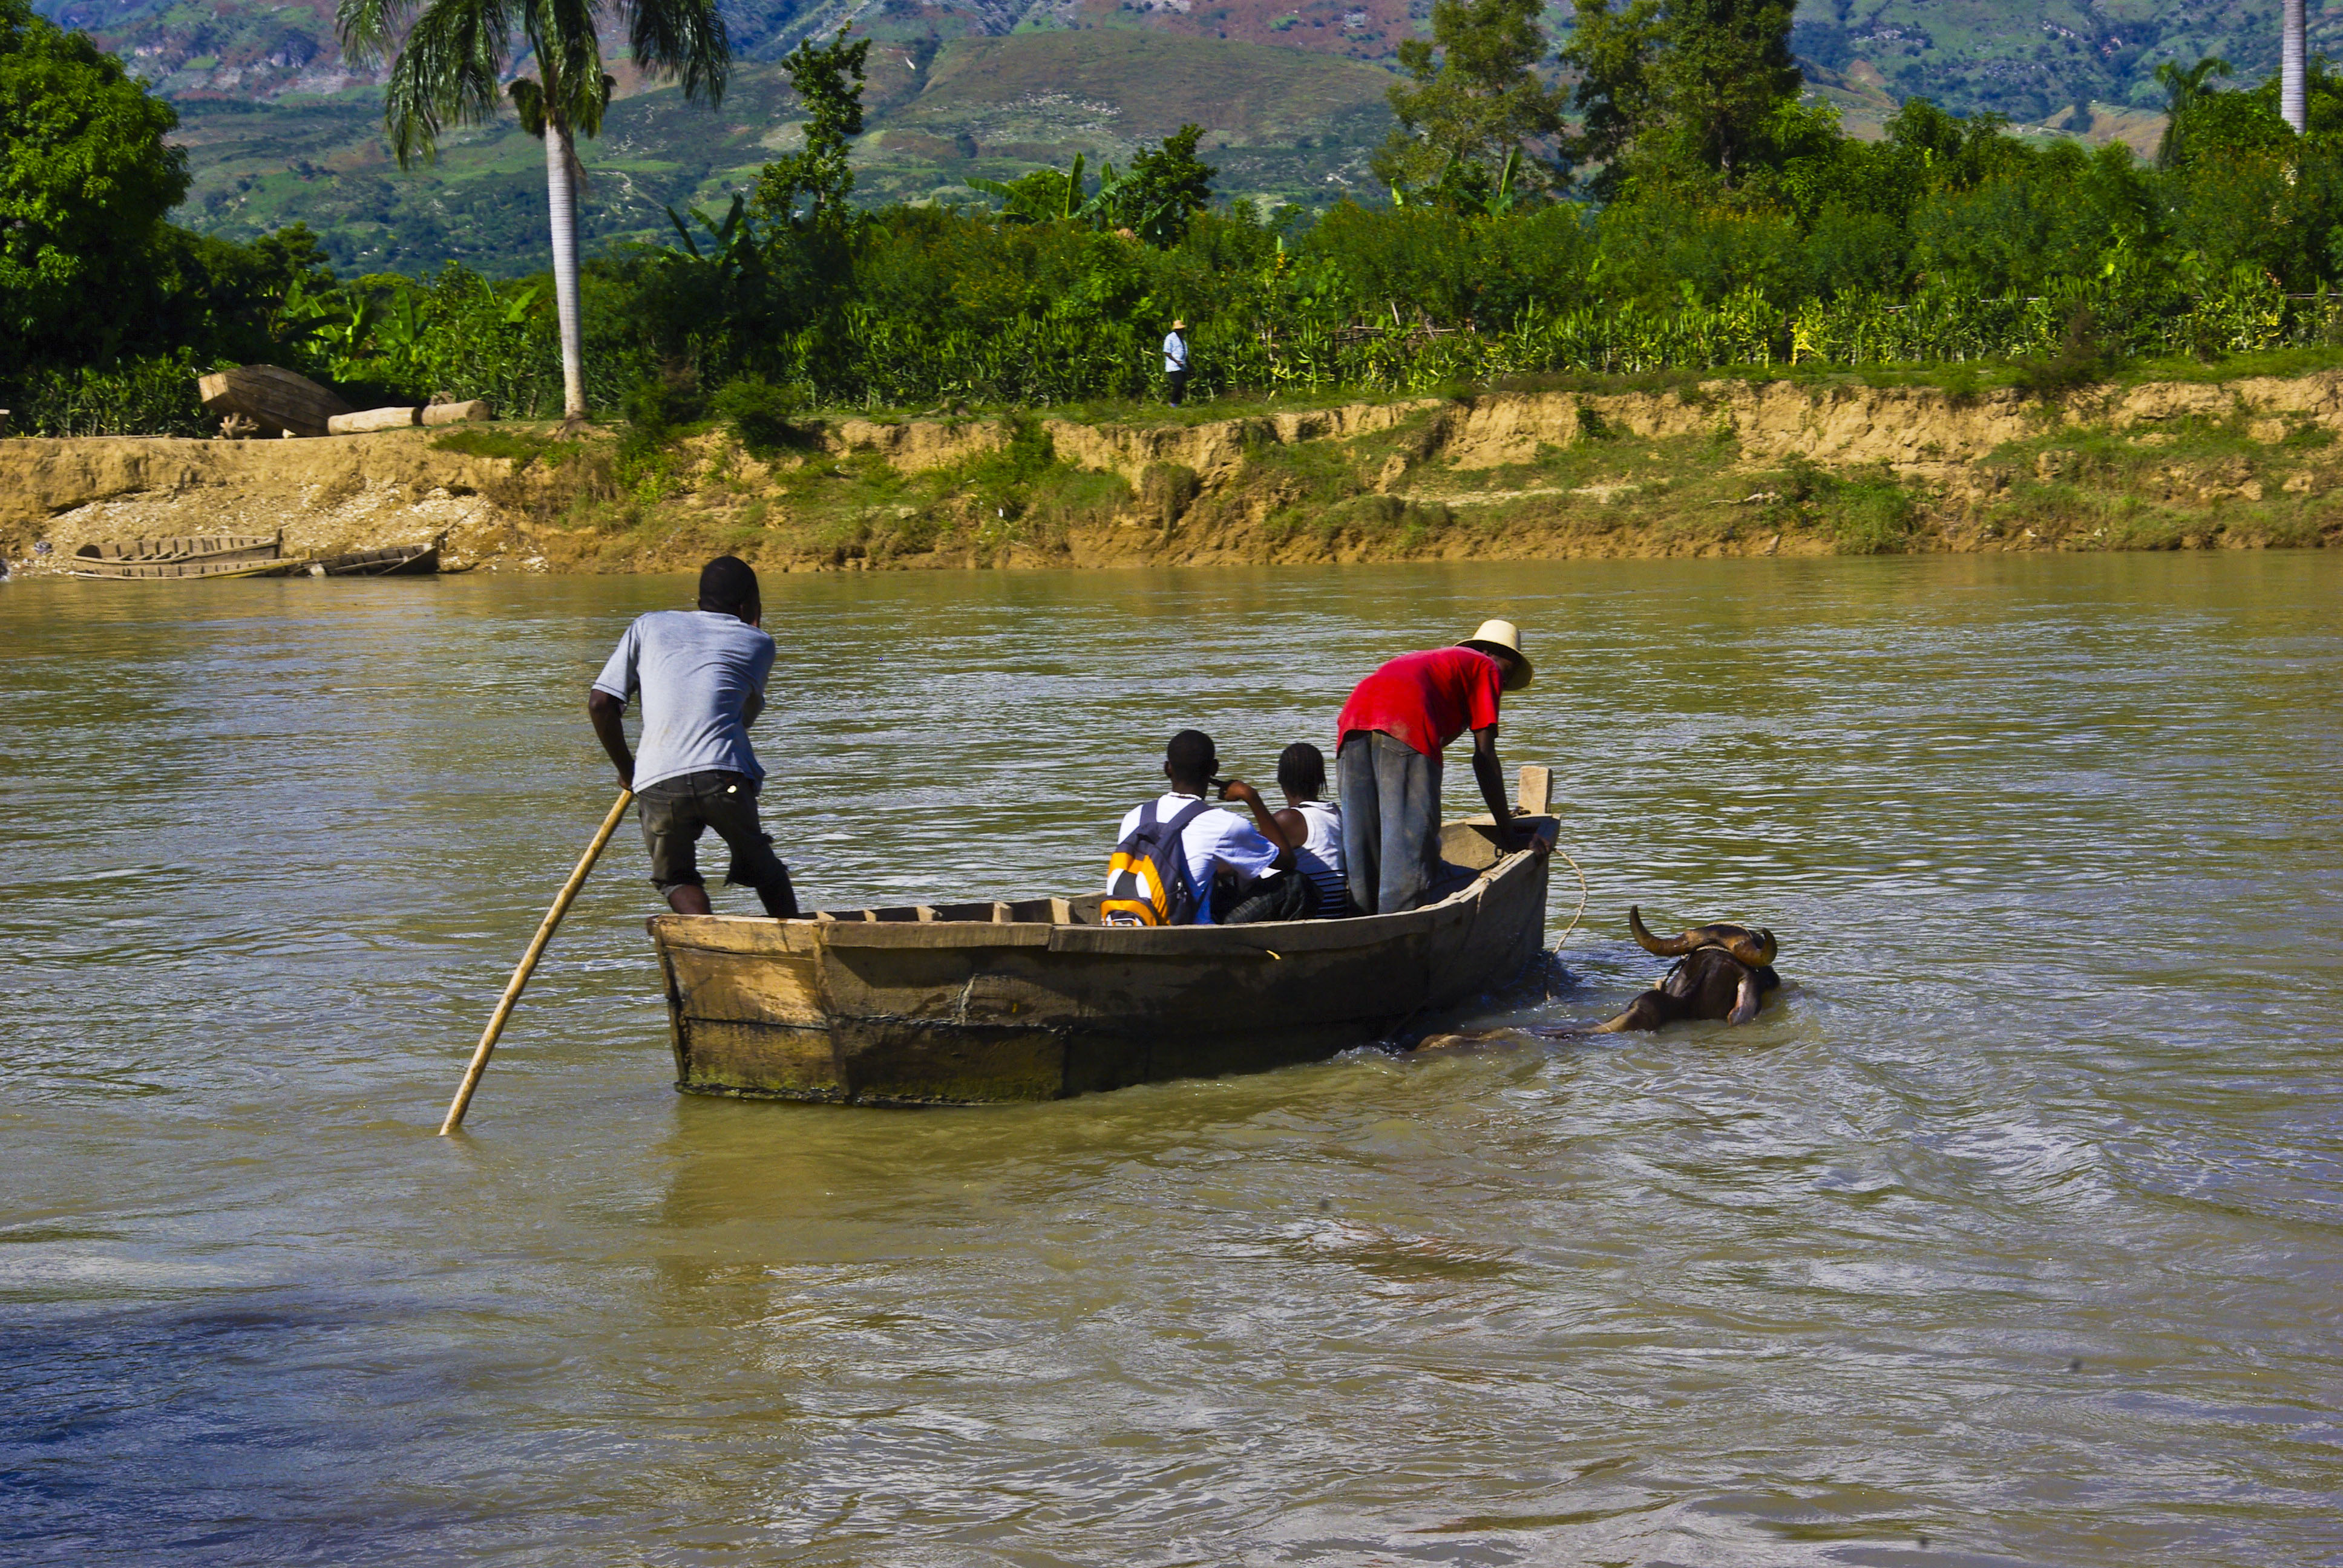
x,y
184,547
970,1003
218,556
397,560
276,399
150,571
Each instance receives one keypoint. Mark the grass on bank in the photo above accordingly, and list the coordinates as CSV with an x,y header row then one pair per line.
x,y
622,500
2043,378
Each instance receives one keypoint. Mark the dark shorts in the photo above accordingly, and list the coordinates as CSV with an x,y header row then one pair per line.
x,y
1279,896
676,812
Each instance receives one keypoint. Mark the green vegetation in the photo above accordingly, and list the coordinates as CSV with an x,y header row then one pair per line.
x,y
84,178
1733,227
451,65
1476,96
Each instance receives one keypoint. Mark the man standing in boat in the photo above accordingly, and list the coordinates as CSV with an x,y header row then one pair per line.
x,y
701,673
1393,732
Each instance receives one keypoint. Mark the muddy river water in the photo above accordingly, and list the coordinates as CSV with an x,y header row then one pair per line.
x,y
2011,1232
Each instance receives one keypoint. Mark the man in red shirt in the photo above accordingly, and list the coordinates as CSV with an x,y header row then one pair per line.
x,y
1387,771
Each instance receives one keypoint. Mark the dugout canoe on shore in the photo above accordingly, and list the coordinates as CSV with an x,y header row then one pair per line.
x,y
392,561
218,556
982,1002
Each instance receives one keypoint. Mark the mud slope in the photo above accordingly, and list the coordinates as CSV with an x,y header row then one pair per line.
x,y
1726,467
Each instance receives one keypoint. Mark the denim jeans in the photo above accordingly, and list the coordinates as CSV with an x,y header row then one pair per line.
x,y
1390,793
675,811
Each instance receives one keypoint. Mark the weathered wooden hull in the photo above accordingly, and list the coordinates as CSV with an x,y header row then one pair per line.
x,y
223,555
152,571
275,398
396,561
910,1011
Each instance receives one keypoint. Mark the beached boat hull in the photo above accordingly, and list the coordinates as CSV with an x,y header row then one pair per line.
x,y
173,571
218,556
947,1005
393,561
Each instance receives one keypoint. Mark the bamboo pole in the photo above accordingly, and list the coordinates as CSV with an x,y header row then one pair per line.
x,y
529,964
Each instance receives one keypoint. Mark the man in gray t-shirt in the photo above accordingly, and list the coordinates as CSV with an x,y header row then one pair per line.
x,y
701,675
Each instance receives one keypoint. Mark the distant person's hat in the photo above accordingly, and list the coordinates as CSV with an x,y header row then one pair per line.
x,y
1178,325
1503,636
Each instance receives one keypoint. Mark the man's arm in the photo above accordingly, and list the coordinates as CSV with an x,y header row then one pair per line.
x,y
1490,774
1245,794
606,710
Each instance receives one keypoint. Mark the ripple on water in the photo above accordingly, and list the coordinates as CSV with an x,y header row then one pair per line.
x,y
2011,1224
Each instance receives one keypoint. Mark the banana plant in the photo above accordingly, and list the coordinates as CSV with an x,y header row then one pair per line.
x,y
734,250
1029,203
335,325
518,308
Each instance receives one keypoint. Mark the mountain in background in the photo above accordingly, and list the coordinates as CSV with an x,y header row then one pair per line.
x,y
279,127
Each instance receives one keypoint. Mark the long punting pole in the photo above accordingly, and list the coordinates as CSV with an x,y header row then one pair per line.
x,y
528,965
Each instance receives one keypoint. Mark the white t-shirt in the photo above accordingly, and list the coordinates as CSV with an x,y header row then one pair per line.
x,y
1214,839
1320,858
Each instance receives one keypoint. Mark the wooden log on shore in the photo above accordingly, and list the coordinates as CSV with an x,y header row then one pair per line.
x,y
369,419
273,398
457,413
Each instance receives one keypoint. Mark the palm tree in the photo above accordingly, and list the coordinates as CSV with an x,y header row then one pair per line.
x,y
2289,66
451,69
2181,89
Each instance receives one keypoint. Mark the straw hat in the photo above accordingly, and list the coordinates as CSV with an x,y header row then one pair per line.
x,y
1178,325
1495,635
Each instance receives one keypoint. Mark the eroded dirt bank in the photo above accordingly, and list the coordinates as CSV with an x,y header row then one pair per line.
x,y
1726,467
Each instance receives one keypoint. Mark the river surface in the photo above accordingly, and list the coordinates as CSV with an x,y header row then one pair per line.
x,y
2011,1232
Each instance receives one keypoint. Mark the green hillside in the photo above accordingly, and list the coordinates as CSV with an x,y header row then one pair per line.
x,y
1284,124
1291,94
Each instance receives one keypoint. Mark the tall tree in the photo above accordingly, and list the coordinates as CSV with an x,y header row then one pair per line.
x,y
829,83
1681,84
1167,185
1613,51
1475,96
451,67
2184,87
1725,72
84,181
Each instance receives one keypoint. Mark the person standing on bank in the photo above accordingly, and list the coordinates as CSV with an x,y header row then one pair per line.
x,y
1387,768
1175,361
701,673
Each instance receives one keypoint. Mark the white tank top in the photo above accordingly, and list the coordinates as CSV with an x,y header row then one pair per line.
x,y
1320,858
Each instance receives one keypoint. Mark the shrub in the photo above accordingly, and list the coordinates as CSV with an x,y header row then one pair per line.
x,y
1870,514
760,416
136,398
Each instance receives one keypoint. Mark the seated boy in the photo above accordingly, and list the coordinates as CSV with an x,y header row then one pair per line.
x,y
1229,863
1313,827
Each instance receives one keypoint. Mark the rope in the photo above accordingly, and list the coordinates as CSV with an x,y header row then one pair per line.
x,y
1582,897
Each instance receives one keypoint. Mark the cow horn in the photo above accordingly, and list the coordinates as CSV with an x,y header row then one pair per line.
x,y
1674,947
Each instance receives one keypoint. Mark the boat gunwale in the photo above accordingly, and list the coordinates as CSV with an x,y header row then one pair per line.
x,y
810,934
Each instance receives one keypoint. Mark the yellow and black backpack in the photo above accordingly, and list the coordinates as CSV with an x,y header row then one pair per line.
x,y
1147,880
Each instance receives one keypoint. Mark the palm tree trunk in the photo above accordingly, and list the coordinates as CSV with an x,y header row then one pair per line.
x,y
2289,67
561,196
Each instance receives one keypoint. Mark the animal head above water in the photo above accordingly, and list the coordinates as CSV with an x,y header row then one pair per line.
x,y
1752,947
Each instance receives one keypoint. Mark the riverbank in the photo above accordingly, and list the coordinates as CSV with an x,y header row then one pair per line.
x,y
1720,468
